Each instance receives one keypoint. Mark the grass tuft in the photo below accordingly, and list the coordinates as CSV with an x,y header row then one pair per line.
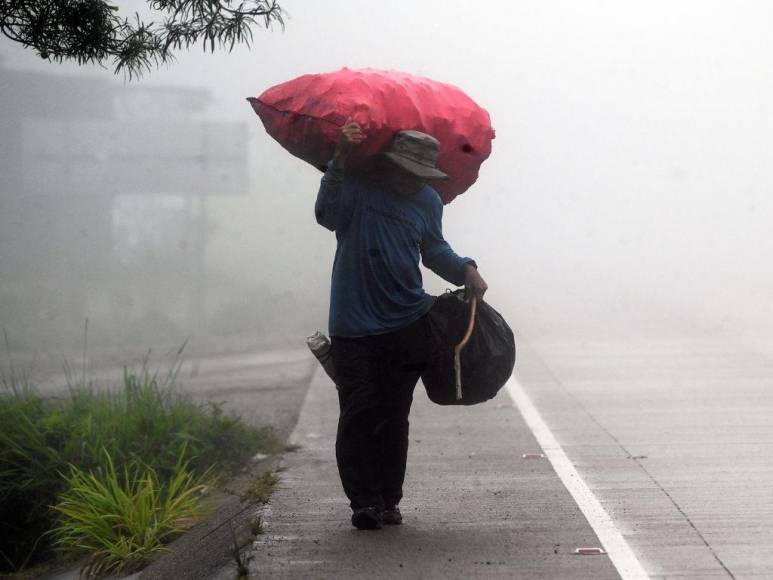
x,y
256,526
261,488
121,518
241,559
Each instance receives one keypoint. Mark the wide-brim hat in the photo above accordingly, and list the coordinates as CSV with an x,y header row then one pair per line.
x,y
417,153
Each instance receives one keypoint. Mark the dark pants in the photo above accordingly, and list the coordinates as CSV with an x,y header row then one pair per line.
x,y
376,376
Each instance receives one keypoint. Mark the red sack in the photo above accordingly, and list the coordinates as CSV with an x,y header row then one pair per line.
x,y
305,116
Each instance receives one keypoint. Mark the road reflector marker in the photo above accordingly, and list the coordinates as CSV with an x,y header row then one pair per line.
x,y
589,552
533,456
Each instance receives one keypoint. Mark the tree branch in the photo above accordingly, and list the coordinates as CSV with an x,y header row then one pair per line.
x,y
91,31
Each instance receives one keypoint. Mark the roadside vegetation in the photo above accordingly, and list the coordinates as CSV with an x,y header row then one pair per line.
x,y
258,491
261,488
110,475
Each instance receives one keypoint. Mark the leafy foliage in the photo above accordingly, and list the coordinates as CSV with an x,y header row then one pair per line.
x,y
93,31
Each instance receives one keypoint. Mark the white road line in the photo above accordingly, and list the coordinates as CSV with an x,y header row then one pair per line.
x,y
620,553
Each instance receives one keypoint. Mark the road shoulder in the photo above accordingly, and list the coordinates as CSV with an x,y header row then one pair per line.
x,y
473,505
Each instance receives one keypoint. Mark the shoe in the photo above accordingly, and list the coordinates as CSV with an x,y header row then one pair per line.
x,y
367,518
391,516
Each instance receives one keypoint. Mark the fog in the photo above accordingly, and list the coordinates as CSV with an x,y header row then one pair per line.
x,y
627,191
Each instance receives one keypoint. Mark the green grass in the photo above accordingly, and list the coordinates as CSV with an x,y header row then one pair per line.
x,y
261,488
145,422
121,518
241,560
29,477
256,526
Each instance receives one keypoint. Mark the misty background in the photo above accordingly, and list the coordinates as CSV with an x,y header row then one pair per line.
x,y
628,189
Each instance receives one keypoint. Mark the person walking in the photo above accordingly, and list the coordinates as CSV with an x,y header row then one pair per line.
x,y
385,219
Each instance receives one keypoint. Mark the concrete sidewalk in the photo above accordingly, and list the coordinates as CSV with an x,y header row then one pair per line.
x,y
473,507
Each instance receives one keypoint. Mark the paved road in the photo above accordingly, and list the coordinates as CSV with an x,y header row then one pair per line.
x,y
474,508
674,436
673,433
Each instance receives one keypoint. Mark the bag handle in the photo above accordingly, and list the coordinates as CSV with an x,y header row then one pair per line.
x,y
462,343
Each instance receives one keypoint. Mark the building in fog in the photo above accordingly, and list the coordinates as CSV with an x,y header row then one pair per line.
x,y
103,201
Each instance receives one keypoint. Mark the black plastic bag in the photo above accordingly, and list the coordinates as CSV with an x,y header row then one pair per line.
x,y
486,362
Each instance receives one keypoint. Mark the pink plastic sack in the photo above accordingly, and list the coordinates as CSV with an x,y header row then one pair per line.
x,y
305,115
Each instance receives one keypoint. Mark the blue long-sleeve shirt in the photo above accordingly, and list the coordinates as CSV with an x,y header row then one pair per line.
x,y
376,283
